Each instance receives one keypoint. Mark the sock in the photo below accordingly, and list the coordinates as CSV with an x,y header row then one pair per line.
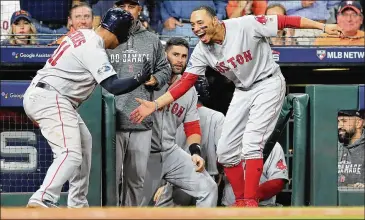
x,y
269,189
236,178
253,173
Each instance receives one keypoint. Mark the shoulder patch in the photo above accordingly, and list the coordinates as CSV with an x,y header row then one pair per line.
x,y
262,19
106,67
280,165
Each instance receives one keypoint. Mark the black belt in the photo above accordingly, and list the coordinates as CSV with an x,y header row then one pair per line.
x,y
44,86
257,81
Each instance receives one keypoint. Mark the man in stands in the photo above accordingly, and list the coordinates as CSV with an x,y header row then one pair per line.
x,y
349,18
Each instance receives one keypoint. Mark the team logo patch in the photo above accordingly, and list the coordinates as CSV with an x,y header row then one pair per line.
x,y
104,68
280,165
190,64
262,19
321,54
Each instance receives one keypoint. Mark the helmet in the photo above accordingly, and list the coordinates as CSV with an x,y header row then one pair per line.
x,y
202,88
119,22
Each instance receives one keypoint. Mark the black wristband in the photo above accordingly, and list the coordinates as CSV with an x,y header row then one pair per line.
x,y
195,149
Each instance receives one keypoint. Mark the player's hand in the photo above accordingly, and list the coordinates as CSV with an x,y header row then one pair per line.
x,y
199,162
158,193
170,23
146,71
307,4
145,109
152,81
334,30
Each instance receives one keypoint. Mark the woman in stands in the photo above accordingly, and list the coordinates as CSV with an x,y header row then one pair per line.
x,y
22,30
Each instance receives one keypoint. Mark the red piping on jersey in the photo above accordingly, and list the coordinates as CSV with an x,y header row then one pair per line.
x,y
64,143
191,128
288,22
199,105
183,85
269,189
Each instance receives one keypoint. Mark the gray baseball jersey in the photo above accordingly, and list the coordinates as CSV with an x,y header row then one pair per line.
x,y
244,56
274,168
76,66
177,166
211,123
166,121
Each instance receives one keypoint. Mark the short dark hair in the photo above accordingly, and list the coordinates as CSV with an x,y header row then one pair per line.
x,y
80,4
274,6
208,9
176,41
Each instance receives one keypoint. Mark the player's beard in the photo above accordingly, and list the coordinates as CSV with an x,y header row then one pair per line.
x,y
176,71
345,136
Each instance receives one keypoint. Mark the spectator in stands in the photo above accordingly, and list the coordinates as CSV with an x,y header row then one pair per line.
x,y
22,30
238,8
282,38
80,17
176,16
349,18
317,10
351,147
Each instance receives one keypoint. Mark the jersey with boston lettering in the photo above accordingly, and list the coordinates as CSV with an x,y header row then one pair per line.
x,y
244,56
76,66
167,120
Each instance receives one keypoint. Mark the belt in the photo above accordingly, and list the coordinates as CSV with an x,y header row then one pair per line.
x,y
257,81
44,86
183,20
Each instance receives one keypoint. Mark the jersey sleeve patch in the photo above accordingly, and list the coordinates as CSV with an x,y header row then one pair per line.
x,y
262,19
280,165
106,67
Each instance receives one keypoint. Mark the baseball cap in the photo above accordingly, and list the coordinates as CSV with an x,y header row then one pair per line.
x,y
20,14
354,5
120,2
350,113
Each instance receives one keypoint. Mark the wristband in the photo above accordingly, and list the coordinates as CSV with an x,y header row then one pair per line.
x,y
195,149
324,28
156,104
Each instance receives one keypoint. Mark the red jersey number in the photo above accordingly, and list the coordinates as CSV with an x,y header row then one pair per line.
x,y
58,53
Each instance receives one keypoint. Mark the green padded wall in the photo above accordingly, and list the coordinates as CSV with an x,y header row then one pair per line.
x,y
109,158
91,113
300,144
325,102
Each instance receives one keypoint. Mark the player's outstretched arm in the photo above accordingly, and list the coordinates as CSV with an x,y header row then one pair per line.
x,y
305,23
180,88
118,86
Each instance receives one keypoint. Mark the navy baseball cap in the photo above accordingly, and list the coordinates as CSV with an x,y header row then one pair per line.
x,y
20,14
351,113
354,5
120,2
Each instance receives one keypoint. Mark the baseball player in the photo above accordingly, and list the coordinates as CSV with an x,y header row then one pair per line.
x,y
177,166
67,79
211,123
238,48
272,181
